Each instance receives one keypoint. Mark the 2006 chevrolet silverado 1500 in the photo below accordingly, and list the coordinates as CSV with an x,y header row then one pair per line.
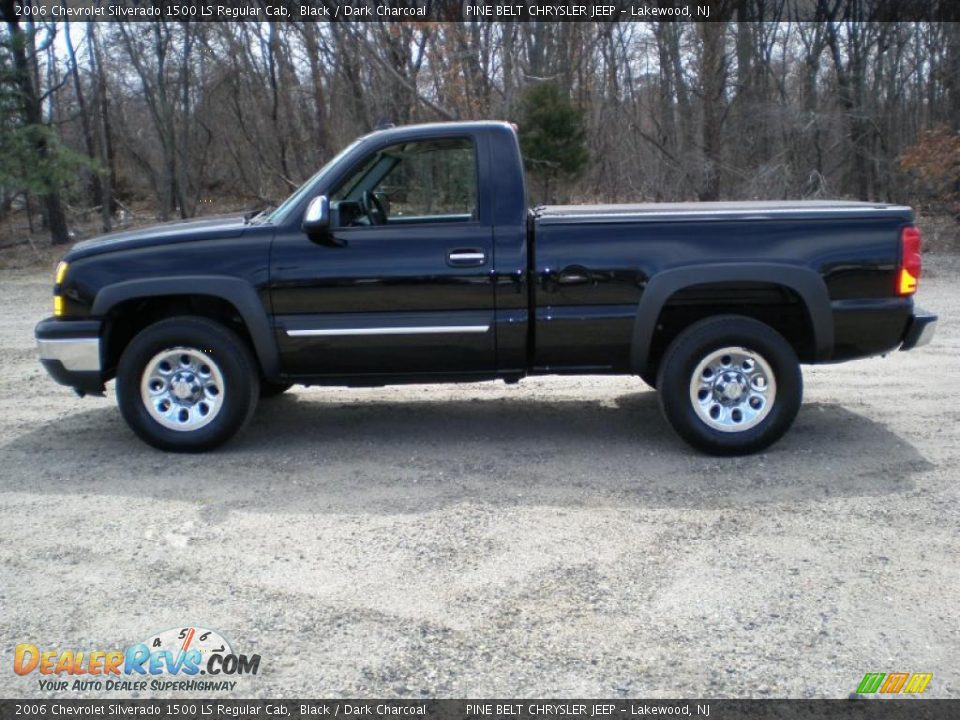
x,y
413,257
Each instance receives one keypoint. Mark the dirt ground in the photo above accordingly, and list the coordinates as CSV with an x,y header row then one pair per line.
x,y
548,539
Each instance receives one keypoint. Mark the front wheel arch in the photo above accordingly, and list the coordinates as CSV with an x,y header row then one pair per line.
x,y
236,293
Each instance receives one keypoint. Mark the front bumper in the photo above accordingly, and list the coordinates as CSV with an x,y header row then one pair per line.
x,y
920,330
70,352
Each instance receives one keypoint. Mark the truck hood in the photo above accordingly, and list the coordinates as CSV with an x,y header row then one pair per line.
x,y
208,228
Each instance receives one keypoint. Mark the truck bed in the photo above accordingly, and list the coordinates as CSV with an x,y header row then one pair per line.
x,y
740,210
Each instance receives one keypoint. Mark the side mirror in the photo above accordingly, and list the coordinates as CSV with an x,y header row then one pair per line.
x,y
316,220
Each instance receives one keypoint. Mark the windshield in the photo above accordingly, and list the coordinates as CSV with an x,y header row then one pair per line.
x,y
280,214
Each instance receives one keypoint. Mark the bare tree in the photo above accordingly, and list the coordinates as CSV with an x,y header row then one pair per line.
x,y
93,178
753,104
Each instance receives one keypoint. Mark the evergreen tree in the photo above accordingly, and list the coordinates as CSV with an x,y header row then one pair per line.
x,y
552,138
32,159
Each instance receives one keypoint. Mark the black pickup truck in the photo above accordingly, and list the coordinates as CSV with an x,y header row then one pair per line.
x,y
413,257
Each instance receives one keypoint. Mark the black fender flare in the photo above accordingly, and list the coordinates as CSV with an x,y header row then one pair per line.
x,y
239,293
805,282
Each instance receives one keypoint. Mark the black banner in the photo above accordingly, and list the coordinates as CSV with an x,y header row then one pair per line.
x,y
193,709
485,10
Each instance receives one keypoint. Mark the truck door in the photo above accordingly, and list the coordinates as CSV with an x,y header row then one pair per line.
x,y
403,283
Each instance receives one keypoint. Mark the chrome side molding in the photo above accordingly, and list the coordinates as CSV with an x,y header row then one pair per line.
x,y
414,330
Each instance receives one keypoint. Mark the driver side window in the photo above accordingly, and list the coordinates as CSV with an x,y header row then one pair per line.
x,y
429,181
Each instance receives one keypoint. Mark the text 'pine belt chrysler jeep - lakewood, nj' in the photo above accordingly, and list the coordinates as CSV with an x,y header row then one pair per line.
x,y
412,257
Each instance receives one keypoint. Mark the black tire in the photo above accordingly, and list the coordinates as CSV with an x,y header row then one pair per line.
x,y
697,344
227,354
271,389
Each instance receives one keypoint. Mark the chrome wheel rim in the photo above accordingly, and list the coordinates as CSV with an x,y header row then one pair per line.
x,y
733,389
182,389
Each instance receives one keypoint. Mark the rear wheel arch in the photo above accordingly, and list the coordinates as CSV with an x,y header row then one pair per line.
x,y
802,283
206,296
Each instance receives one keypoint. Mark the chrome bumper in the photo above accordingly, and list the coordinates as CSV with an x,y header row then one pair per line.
x,y
920,331
70,352
75,354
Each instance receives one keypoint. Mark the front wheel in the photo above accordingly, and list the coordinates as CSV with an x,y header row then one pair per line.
x,y
187,384
730,385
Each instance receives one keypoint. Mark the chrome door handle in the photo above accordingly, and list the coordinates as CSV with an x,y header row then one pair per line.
x,y
466,257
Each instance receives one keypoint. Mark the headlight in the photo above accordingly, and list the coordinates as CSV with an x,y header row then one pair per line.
x,y
58,279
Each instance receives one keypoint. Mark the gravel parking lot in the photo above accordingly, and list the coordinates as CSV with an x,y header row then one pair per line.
x,y
548,539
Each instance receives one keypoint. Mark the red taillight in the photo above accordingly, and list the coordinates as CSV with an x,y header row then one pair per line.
x,y
910,262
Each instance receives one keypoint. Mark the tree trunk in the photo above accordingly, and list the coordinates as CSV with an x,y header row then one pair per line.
x,y
952,74
32,112
320,124
96,190
106,156
712,85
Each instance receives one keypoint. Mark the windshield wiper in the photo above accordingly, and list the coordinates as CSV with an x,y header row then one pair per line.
x,y
255,217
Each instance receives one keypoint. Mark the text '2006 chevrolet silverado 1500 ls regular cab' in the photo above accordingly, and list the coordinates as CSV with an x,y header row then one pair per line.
x,y
413,257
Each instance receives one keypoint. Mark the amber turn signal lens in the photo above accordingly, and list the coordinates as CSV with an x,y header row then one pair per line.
x,y
61,273
57,305
907,284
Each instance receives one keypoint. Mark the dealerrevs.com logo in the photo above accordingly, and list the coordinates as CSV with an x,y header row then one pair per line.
x,y
170,660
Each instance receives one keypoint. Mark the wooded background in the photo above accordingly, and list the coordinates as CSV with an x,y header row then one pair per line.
x,y
183,118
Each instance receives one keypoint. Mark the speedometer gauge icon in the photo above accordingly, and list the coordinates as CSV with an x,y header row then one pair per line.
x,y
184,639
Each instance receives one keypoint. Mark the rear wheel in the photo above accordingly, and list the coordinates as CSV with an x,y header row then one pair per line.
x,y
187,384
730,385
